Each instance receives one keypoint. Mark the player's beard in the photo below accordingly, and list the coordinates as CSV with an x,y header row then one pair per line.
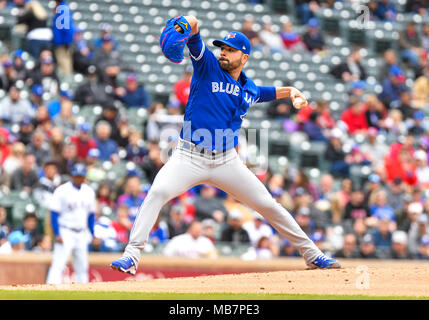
x,y
229,65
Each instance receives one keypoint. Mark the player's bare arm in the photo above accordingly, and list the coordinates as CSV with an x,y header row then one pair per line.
x,y
298,98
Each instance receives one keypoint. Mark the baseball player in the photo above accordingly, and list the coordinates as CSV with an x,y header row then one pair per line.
x,y
206,152
72,214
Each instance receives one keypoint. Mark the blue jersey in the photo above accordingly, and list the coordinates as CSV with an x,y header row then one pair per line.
x,y
217,103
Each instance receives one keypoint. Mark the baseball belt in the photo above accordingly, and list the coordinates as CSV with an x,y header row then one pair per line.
x,y
187,145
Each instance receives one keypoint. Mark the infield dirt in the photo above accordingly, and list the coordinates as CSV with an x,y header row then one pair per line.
x,y
357,277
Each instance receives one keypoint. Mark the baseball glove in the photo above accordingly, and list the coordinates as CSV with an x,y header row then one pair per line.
x,y
173,42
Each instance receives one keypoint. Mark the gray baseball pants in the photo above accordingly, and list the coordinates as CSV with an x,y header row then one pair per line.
x,y
188,167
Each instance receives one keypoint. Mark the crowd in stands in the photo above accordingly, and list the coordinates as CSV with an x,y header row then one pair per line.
x,y
384,216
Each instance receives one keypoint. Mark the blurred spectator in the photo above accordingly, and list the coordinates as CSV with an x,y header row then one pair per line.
x,y
109,62
104,236
385,11
417,6
313,127
191,244
392,88
110,115
287,250
15,243
389,60
231,204
107,146
233,231
38,35
25,178
82,51
47,183
68,159
423,253
380,209
406,105
425,37
5,227
349,249
54,106
42,121
367,247
182,88
396,197
350,70
336,156
83,141
105,29
43,243
8,76
159,232
134,94
271,40
383,238
104,196
416,126
26,128
399,248
13,108
326,187
373,148
322,107
418,228
133,196
4,181
303,218
36,96
39,147
420,92
63,31
29,228
152,163
291,39
257,228
410,44
56,142
375,111
92,91
356,207
65,120
305,9
280,109
313,37
422,169
355,117
122,226
301,180
45,75
248,30
210,229
209,206
135,149
394,124
4,145
175,223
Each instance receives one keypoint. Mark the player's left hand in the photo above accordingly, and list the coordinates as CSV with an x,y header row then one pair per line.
x,y
298,99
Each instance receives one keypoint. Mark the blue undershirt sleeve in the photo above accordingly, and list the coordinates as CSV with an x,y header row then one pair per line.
x,y
54,223
91,222
267,94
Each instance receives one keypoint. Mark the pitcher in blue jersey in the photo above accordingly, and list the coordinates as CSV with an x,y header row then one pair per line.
x,y
219,98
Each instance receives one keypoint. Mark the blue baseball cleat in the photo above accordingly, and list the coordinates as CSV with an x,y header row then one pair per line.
x,y
323,262
124,264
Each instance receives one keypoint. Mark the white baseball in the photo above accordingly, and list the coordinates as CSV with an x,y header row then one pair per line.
x,y
298,102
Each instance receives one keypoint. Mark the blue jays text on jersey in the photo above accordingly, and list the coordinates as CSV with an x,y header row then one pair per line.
x,y
217,102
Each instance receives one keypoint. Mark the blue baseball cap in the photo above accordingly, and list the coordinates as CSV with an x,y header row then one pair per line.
x,y
37,89
78,169
17,237
236,40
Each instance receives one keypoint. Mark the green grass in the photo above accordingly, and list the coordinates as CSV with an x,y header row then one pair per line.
x,y
106,295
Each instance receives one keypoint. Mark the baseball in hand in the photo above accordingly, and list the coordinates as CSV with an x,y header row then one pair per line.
x,y
298,102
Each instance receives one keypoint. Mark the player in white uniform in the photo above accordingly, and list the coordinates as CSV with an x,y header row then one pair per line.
x,y
220,96
72,214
